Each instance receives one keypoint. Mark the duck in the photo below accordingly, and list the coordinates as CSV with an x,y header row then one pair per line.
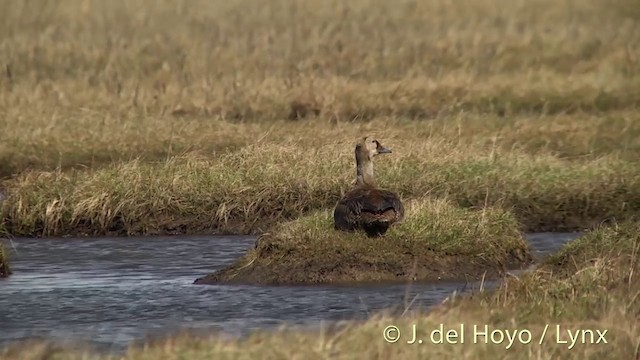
x,y
366,206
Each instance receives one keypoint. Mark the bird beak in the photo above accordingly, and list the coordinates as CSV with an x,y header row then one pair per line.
x,y
383,150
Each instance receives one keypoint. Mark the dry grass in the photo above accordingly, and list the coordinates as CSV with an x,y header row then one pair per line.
x,y
436,241
87,83
250,190
529,106
590,285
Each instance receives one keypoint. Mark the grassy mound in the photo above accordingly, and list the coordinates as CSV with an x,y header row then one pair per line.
x,y
591,277
436,241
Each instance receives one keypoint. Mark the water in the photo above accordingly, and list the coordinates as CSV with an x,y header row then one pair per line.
x,y
109,292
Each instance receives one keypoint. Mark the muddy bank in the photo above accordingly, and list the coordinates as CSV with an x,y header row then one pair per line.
x,y
415,266
437,241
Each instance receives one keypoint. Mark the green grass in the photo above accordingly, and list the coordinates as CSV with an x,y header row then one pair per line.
x,y
590,284
436,241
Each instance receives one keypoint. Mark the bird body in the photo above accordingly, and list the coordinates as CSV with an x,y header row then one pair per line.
x,y
367,207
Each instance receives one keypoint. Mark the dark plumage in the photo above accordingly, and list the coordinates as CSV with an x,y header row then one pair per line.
x,y
367,207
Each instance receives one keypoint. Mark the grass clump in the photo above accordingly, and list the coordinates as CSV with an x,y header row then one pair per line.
x,y
590,279
437,241
236,194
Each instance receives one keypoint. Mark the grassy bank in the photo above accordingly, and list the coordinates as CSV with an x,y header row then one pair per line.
x,y
252,189
589,285
437,241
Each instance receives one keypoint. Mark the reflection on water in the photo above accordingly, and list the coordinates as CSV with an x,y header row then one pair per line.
x,y
112,291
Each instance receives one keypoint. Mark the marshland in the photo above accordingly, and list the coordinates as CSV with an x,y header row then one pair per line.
x,y
126,122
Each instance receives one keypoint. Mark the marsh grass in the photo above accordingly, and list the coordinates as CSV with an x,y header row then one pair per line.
x,y
87,84
589,285
254,188
245,114
436,241
84,141
139,117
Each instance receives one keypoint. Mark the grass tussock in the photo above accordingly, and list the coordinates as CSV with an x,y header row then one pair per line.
x,y
589,279
437,241
589,285
250,190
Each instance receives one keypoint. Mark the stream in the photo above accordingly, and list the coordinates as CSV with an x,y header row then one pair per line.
x,y
110,292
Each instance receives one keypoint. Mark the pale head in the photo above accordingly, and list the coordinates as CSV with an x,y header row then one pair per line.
x,y
370,147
